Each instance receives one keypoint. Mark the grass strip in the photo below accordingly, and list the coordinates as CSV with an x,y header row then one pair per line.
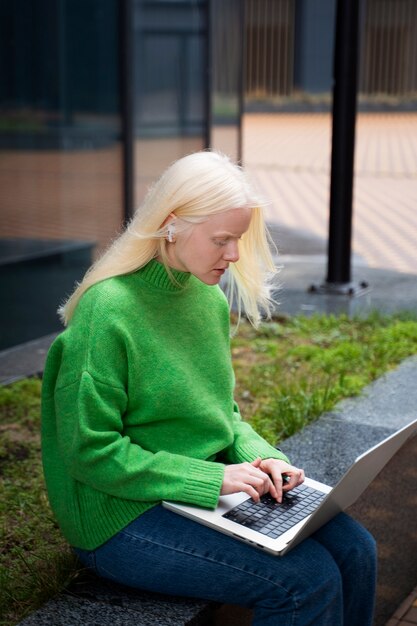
x,y
291,371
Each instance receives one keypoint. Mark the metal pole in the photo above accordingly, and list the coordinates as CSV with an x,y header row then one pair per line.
x,y
127,103
241,85
345,72
209,70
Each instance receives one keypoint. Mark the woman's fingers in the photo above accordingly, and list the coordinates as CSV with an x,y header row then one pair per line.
x,y
270,485
295,478
248,478
260,477
284,476
258,480
251,491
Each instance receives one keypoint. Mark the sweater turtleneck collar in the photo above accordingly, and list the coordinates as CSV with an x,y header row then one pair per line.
x,y
155,273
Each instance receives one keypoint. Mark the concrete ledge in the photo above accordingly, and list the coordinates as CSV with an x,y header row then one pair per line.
x,y
24,360
35,275
94,601
388,508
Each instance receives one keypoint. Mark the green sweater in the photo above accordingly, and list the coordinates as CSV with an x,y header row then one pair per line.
x,y
137,403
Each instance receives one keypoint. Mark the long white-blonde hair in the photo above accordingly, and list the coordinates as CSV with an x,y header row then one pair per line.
x,y
193,188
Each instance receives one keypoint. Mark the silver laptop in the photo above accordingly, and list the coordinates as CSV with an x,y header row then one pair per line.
x,y
277,528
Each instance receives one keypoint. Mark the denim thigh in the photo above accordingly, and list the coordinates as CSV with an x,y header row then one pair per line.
x,y
163,552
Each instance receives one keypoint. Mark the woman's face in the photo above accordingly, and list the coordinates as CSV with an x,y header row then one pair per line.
x,y
207,249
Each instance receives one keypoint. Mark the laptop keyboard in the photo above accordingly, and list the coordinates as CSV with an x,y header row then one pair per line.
x,y
272,518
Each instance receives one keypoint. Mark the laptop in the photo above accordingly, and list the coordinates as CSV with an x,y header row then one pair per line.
x,y
278,527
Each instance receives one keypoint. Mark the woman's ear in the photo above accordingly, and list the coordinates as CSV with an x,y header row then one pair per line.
x,y
168,218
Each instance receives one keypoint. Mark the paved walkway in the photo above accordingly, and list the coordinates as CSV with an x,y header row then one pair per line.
x,y
406,614
288,157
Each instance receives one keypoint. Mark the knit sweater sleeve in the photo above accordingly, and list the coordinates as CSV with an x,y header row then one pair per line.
x,y
96,452
247,444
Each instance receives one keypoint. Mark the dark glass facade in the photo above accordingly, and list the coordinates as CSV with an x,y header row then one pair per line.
x,y
60,132
61,195
226,93
97,97
170,56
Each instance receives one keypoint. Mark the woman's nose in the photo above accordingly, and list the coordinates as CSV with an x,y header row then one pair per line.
x,y
231,253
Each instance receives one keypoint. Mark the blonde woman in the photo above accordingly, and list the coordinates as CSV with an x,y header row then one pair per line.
x,y
138,407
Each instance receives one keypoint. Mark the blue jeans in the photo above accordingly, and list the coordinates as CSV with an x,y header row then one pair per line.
x,y
327,580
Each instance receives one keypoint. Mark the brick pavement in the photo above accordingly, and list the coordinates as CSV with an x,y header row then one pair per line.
x,y
288,157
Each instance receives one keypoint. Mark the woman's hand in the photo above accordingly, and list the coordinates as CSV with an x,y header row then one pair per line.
x,y
283,476
261,477
247,477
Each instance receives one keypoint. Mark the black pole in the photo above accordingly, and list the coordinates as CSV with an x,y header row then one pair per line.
x,y
345,72
241,80
208,113
127,104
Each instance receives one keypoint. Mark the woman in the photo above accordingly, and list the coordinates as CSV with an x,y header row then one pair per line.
x,y
138,407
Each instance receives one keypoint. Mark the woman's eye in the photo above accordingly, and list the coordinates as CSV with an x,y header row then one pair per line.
x,y
220,242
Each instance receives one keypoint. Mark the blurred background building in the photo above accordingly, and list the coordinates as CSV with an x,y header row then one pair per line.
x,y
97,97
289,53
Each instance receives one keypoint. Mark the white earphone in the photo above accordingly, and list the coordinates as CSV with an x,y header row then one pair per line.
x,y
171,232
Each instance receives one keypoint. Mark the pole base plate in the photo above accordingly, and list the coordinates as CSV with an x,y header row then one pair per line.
x,y
340,289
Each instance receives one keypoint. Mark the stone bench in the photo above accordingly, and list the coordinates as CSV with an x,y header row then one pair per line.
x,y
92,601
325,449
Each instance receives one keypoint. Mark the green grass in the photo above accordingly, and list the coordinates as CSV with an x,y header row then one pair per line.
x,y
288,373
291,372
35,561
